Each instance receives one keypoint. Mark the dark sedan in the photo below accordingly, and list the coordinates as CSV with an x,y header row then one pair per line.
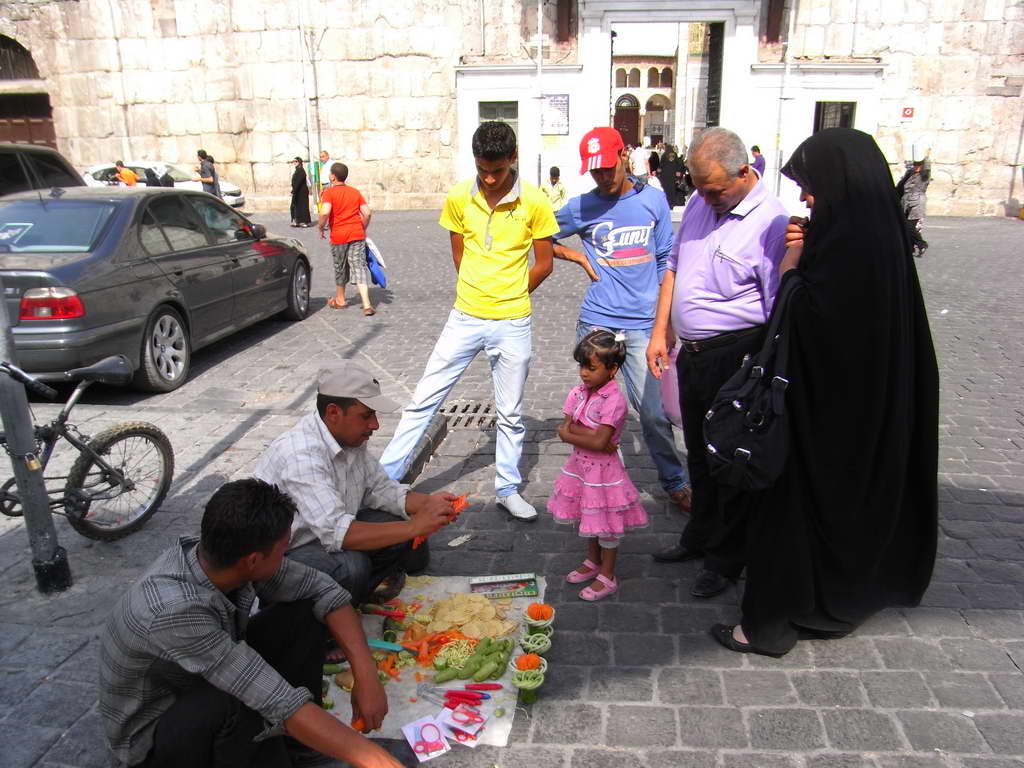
x,y
150,273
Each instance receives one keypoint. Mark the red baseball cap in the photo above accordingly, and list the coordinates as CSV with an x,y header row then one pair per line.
x,y
600,148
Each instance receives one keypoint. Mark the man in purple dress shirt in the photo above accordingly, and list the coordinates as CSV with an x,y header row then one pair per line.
x,y
716,296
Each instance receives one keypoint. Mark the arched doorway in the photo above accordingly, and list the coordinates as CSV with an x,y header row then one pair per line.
x,y
657,116
627,118
25,112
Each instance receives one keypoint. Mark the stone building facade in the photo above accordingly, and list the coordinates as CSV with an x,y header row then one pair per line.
x,y
396,88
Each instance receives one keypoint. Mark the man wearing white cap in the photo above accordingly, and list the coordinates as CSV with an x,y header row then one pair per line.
x,y
353,522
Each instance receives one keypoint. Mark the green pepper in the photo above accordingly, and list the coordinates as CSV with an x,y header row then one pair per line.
x,y
389,635
327,703
446,674
333,669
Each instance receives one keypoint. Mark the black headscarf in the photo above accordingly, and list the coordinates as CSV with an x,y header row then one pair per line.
x,y
851,525
152,180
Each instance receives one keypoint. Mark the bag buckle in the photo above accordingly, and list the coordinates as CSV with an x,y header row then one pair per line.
x,y
780,383
741,455
757,370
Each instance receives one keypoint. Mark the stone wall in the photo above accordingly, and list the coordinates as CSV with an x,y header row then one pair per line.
x,y
960,65
161,78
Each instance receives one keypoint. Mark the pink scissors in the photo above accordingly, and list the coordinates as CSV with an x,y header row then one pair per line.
x,y
428,744
465,716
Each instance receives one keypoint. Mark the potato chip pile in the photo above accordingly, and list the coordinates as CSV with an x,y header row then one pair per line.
x,y
473,615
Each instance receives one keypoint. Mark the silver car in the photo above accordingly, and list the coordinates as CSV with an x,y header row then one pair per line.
x,y
151,273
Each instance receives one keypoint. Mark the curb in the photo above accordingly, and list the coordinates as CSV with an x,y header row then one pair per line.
x,y
436,432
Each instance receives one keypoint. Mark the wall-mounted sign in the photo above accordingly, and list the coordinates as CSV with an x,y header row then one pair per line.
x,y
554,114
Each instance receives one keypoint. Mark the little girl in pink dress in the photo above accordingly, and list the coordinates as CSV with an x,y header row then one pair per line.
x,y
593,488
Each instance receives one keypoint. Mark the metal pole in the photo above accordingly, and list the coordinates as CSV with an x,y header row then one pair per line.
x,y
540,86
49,560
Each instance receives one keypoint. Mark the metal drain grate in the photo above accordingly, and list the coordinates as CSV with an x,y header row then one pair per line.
x,y
470,414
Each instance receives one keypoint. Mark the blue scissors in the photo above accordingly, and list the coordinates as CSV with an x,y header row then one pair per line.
x,y
428,744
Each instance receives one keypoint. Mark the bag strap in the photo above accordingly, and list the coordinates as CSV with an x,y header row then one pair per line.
x,y
774,351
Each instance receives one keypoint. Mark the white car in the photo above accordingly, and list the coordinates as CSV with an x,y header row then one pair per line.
x,y
105,174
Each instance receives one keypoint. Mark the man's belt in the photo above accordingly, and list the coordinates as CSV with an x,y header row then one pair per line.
x,y
721,340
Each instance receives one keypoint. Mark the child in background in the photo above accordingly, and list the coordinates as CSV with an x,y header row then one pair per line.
x,y
593,488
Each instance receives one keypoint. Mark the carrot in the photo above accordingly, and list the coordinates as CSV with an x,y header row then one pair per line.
x,y
412,699
419,677
421,656
360,725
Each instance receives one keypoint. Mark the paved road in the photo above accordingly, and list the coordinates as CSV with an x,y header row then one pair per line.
x,y
635,681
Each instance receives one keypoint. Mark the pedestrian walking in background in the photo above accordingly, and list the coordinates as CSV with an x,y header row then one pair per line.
x,y
911,189
300,196
850,526
638,161
346,213
207,173
671,177
555,189
594,491
758,163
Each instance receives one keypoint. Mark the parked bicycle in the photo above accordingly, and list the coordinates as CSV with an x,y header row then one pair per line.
x,y
121,475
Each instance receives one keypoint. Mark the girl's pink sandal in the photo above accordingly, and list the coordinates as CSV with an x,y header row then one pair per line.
x,y
611,586
578,576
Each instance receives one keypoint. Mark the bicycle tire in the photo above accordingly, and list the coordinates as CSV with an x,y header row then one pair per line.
x,y
105,444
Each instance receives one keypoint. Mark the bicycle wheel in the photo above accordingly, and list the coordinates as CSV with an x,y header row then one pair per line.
x,y
97,506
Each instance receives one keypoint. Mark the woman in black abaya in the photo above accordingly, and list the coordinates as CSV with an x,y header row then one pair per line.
x,y
671,173
850,527
300,196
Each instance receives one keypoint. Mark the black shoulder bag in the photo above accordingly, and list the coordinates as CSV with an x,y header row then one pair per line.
x,y
745,430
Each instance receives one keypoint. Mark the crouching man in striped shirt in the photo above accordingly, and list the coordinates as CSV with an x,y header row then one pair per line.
x,y
187,679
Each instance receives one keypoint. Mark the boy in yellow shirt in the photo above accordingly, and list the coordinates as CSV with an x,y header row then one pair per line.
x,y
493,220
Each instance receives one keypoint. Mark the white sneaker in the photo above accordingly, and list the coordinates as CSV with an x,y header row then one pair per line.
x,y
517,506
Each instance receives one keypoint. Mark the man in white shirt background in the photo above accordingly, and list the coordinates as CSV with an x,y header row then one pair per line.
x,y
354,522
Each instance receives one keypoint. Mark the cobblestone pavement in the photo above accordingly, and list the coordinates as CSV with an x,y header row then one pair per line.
x,y
635,680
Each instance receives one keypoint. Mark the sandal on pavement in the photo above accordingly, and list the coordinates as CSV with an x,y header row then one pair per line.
x,y
333,303
369,311
611,586
587,573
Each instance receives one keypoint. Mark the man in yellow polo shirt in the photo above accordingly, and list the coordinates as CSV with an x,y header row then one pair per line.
x,y
493,220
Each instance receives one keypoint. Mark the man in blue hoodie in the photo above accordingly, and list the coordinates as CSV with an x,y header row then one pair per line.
x,y
626,229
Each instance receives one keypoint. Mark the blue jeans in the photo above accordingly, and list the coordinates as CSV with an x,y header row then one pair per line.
x,y
644,393
507,346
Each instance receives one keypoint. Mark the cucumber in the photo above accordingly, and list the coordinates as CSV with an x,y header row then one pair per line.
x,y
483,647
469,669
332,669
440,663
446,674
485,671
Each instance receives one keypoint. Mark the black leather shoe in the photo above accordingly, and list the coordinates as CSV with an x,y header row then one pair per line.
x,y
709,583
723,634
677,554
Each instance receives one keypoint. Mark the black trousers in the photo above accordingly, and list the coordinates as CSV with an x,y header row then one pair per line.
x,y
360,572
718,516
914,230
208,728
